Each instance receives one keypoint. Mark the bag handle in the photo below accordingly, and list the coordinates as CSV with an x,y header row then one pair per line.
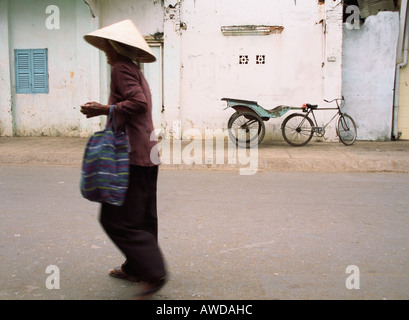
x,y
111,118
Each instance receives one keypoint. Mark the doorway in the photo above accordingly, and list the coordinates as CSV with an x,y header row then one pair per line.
x,y
154,75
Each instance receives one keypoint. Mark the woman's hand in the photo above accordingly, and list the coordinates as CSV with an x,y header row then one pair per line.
x,y
94,109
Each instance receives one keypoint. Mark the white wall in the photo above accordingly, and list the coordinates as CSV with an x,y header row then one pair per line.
x,y
369,57
293,72
6,117
72,67
146,14
200,64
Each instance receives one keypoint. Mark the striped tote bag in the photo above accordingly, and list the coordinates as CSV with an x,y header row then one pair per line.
x,y
105,165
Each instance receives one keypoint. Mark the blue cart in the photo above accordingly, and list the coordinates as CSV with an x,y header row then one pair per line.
x,y
246,126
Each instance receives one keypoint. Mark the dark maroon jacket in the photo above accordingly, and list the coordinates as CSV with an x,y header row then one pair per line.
x,y
131,96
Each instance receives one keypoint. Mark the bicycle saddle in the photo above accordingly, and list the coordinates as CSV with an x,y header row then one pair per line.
x,y
309,106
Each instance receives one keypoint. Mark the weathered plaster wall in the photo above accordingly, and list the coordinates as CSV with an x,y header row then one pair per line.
x,y
72,68
369,58
200,64
294,70
146,14
6,117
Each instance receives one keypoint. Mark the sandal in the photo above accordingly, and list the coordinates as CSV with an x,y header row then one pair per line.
x,y
118,273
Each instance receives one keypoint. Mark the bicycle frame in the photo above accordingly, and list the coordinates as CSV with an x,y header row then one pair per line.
x,y
310,110
298,129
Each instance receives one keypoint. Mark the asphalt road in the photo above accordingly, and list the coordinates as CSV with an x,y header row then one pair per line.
x,y
225,236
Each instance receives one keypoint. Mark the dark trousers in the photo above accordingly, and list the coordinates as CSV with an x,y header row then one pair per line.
x,y
133,227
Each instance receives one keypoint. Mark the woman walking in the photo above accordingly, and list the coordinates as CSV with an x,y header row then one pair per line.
x,y
133,227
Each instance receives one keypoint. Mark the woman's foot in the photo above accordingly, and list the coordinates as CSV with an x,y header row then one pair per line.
x,y
117,272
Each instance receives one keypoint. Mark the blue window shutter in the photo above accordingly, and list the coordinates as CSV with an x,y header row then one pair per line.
x,y
40,73
31,67
23,73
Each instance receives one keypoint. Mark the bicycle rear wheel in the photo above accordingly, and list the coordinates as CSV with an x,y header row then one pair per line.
x,y
297,129
346,129
246,129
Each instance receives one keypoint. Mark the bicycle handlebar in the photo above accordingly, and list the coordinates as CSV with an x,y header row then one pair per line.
x,y
336,99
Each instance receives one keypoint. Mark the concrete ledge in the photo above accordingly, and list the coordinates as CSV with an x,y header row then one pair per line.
x,y
389,156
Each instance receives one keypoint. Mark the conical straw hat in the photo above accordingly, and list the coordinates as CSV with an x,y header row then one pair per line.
x,y
124,32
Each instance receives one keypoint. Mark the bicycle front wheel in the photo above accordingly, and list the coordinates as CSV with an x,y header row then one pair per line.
x,y
246,129
346,130
297,129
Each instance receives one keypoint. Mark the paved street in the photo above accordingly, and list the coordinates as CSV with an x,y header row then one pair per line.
x,y
266,236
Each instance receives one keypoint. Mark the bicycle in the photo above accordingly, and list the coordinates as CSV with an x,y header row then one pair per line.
x,y
298,129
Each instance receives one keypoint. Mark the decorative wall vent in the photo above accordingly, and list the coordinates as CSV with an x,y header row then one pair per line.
x,y
250,30
244,59
260,59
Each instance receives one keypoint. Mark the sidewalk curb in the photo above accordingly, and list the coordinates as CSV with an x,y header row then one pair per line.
x,y
389,156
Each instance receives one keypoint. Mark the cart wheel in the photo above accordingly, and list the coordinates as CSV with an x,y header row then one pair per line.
x,y
246,129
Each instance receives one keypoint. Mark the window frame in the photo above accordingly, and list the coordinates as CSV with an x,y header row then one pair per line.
x,y
31,71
